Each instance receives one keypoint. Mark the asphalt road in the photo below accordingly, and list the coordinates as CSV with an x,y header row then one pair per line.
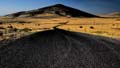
x,y
61,49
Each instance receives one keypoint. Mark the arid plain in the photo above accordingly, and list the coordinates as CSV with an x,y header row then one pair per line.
x,y
58,16
109,27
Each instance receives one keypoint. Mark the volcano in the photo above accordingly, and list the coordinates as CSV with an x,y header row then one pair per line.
x,y
58,9
61,49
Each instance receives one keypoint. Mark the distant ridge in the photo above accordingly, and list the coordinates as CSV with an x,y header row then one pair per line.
x,y
114,14
57,9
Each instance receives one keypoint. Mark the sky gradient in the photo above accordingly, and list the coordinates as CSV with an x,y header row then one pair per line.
x,y
91,6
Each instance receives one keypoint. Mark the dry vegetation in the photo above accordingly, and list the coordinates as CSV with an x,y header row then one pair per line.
x,y
18,27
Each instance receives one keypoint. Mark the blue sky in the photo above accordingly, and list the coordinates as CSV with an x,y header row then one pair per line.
x,y
91,6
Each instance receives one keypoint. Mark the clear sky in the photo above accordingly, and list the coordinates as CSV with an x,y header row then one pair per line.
x,y
91,6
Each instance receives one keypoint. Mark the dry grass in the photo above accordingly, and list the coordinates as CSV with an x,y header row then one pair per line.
x,y
109,27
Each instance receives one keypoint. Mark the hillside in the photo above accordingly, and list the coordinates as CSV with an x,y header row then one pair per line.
x,y
61,49
58,9
114,14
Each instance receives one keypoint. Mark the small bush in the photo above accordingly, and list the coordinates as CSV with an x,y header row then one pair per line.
x,y
2,28
91,27
10,27
38,24
113,24
1,22
81,26
15,29
117,19
22,22
1,33
45,28
26,30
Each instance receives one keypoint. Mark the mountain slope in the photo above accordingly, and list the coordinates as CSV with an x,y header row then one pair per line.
x,y
61,49
114,14
57,9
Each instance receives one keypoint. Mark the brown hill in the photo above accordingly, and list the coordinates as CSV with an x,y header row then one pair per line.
x,y
57,9
61,49
114,14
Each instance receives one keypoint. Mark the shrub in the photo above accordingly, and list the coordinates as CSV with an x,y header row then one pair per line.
x,y
15,29
91,27
1,22
11,30
2,28
22,22
81,26
38,24
113,24
10,27
1,33
26,30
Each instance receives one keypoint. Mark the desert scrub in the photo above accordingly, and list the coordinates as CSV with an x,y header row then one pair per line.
x,y
1,22
15,29
113,24
100,32
81,26
11,30
116,28
10,27
91,27
2,28
117,19
22,22
26,30
1,33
